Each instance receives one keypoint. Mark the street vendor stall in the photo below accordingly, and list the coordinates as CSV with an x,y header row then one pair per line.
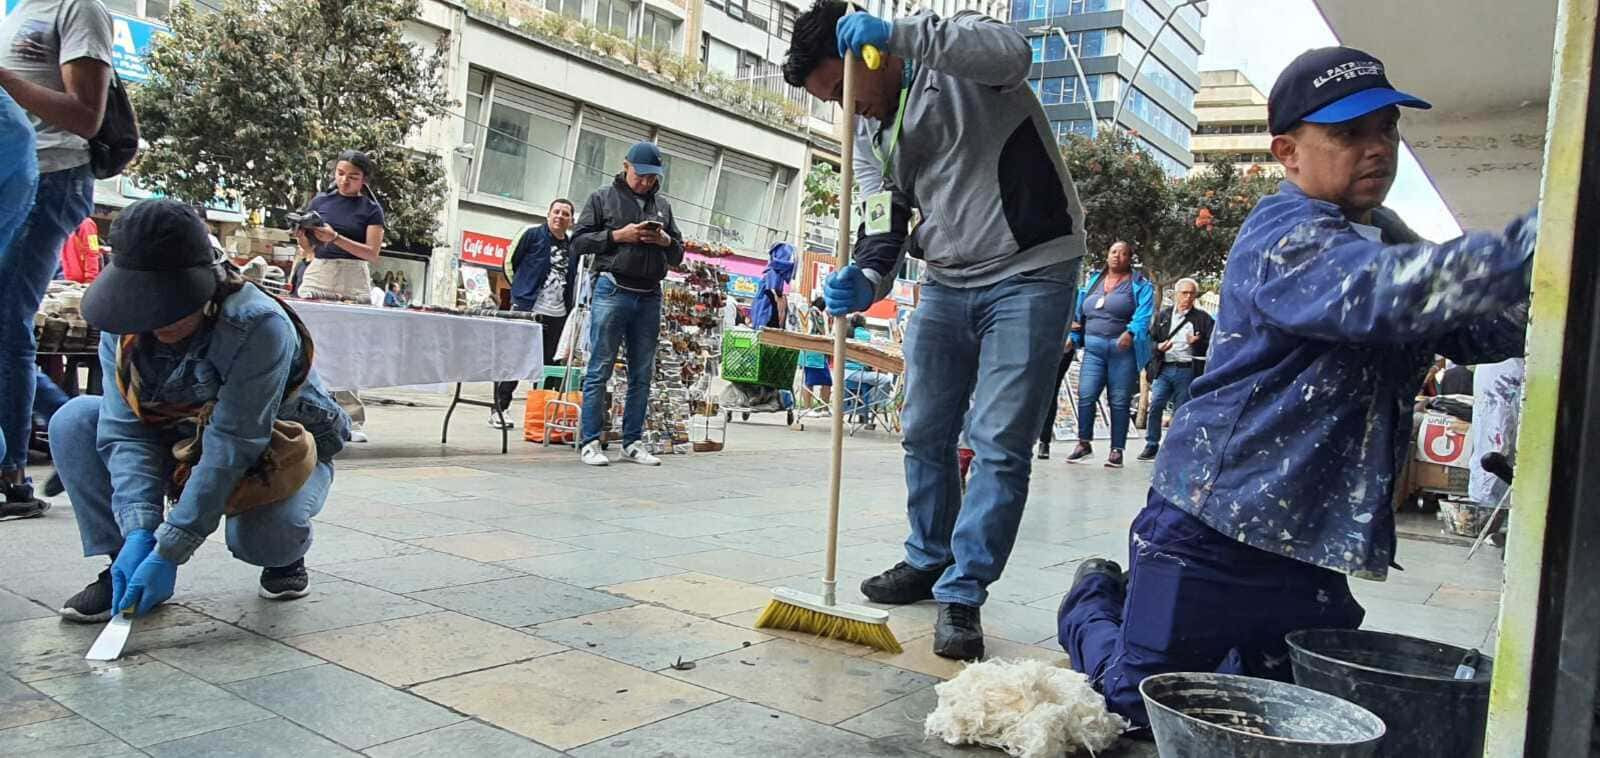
x,y
881,357
360,347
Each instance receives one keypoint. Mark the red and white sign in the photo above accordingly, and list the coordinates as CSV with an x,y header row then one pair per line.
x,y
1444,440
484,249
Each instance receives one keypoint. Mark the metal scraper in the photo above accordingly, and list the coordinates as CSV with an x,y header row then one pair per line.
x,y
108,646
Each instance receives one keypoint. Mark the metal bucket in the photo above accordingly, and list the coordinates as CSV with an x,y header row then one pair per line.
x,y
1196,715
1410,683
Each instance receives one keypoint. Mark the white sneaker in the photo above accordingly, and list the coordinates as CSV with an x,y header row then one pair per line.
x,y
637,454
357,434
497,420
592,455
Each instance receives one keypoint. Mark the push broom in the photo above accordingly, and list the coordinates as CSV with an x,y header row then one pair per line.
x,y
823,615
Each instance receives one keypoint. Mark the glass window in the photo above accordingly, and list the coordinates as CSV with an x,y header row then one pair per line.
x,y
739,206
777,221
125,7
599,158
1049,47
1158,73
572,8
157,9
1169,164
684,183
1170,41
659,30
786,21
736,10
1153,114
1027,10
477,84
721,57
522,155
614,16
1051,91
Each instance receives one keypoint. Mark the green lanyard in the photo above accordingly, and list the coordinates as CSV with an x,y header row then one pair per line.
x,y
886,157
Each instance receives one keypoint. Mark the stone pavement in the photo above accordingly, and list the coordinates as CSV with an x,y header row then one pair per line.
x,y
467,603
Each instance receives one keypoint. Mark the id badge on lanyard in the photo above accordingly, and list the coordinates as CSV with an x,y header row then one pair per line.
x,y
877,208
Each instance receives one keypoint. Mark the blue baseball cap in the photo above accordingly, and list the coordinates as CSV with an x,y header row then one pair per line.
x,y
645,158
1331,85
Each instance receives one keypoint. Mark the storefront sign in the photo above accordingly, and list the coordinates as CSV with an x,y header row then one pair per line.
x,y
130,46
130,188
484,249
740,285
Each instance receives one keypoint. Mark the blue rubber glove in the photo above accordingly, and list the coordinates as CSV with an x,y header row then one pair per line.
x,y
136,547
857,30
848,290
152,584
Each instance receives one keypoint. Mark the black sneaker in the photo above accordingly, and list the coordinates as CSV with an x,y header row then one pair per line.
x,y
1114,459
19,502
92,604
1092,567
53,486
1044,451
1149,452
901,585
958,633
1082,453
286,583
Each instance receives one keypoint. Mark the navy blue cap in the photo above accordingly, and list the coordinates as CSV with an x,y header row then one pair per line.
x,y
645,158
1331,85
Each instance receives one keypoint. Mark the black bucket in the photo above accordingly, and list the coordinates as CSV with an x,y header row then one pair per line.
x,y
1410,683
1213,715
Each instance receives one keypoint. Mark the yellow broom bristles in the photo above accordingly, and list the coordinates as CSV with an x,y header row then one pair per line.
x,y
794,618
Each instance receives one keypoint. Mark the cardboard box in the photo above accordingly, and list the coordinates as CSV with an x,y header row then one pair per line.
x,y
1434,477
1444,440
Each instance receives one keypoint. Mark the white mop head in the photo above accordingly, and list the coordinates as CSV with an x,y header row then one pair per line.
x,y
1029,709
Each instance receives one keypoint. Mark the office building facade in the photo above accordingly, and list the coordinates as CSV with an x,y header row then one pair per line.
x,y
1233,123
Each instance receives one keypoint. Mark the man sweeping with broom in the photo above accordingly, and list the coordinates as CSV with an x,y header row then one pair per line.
x,y
963,140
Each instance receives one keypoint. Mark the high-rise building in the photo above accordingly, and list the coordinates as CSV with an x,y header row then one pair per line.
x,y
1108,37
1233,123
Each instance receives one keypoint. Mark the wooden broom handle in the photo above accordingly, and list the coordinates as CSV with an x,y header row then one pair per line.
x,y
841,325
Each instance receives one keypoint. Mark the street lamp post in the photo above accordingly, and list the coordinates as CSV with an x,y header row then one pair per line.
x,y
1166,22
1088,98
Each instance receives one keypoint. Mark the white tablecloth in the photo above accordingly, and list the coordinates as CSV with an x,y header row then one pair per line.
x,y
361,347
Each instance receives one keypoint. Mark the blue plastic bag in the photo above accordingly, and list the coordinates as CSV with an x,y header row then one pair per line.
x,y
19,169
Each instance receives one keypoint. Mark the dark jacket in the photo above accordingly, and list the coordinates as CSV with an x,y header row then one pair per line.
x,y
639,267
1160,331
529,267
1296,435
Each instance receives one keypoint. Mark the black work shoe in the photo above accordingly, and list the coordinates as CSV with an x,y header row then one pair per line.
x,y
53,485
18,502
1044,451
1097,566
286,583
92,604
1149,453
1114,459
958,633
901,585
1082,453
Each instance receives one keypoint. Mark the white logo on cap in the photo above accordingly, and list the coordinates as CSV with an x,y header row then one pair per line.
x,y
1346,71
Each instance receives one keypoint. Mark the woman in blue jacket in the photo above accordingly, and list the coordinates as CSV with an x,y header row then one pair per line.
x,y
193,355
1111,327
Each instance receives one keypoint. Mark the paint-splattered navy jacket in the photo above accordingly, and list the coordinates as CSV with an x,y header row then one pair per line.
x,y
1299,426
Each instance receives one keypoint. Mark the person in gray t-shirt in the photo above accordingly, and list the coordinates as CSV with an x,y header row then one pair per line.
x,y
55,62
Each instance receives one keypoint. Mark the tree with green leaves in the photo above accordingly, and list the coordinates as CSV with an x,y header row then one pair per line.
x,y
255,99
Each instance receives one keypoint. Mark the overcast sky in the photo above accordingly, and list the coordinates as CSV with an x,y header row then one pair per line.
x,y
1236,37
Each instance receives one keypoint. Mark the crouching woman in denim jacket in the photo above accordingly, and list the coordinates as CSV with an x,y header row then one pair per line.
x,y
209,403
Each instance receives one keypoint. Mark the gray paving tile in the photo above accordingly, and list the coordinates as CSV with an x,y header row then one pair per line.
x,y
417,572
639,544
18,608
344,706
273,738
468,738
411,525
332,543
374,486
151,702
21,704
482,506
592,568
521,601
232,654
48,647
693,523
331,605
739,565
1448,625
72,737
804,680
554,526
781,541
732,729
647,636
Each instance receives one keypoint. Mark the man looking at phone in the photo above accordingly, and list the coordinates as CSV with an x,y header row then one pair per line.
x,y
630,231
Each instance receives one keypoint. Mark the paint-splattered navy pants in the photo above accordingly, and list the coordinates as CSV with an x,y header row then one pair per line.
x,y
1196,600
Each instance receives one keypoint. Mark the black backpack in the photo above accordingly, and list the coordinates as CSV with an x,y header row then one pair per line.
x,y
114,146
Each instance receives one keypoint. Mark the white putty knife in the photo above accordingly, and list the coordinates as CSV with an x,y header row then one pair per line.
x,y
108,646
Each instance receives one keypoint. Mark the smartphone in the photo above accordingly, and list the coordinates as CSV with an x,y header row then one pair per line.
x,y
654,226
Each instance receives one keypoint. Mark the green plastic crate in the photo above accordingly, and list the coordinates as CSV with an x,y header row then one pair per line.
x,y
746,360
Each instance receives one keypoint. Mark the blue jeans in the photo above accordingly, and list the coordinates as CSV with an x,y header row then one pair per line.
x,y
1196,600
994,349
64,200
620,317
269,536
1171,385
47,397
1115,371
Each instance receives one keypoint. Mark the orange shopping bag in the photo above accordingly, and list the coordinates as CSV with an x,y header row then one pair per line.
x,y
533,419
